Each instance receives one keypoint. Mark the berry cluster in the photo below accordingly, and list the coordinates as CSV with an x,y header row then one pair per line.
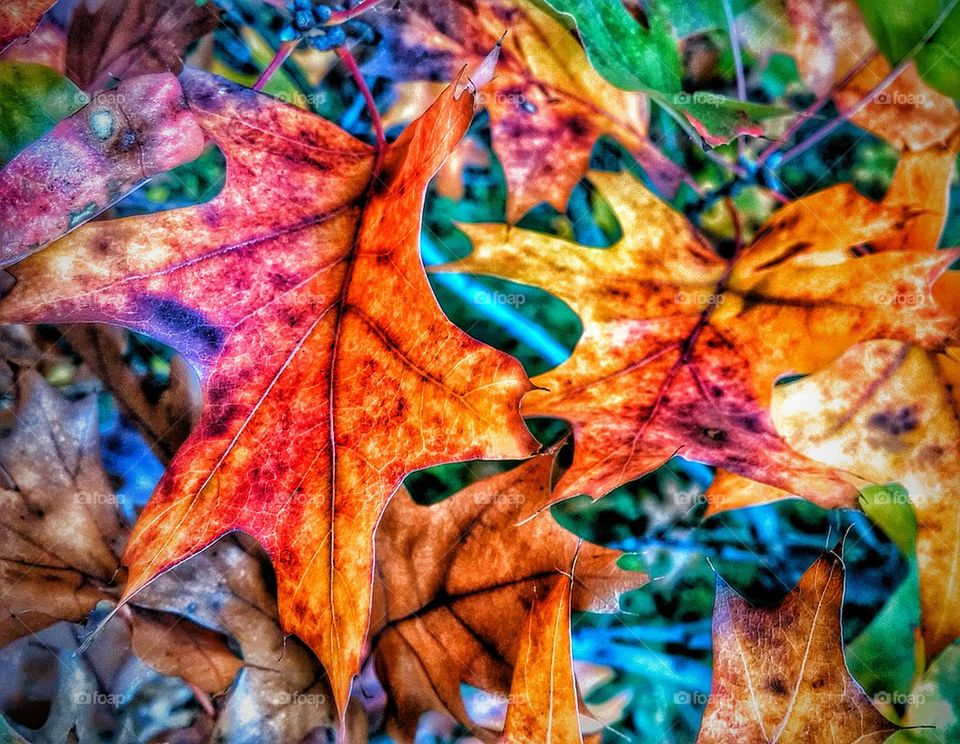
x,y
309,21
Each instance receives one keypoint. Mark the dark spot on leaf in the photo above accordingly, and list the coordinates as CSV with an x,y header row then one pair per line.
x,y
714,435
180,326
896,421
777,686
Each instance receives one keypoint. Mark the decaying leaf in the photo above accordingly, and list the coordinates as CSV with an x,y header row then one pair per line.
x,y
884,412
888,412
92,159
456,581
282,693
165,420
176,647
19,17
329,371
779,673
832,41
60,534
543,703
680,352
106,44
547,105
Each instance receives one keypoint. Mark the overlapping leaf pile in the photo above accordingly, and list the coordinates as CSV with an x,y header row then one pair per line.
x,y
328,371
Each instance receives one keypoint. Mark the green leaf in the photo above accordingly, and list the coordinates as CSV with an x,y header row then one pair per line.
x,y
934,702
628,55
883,657
888,506
718,119
690,17
903,30
33,98
647,59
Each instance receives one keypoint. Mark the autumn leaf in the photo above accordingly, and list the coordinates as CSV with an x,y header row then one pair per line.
x,y
164,417
91,160
33,98
888,412
106,43
680,351
281,693
547,106
19,17
779,672
901,427
412,99
835,50
60,535
329,371
175,648
543,703
456,581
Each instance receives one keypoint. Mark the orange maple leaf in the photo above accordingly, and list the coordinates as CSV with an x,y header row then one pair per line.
x,y
329,371
680,350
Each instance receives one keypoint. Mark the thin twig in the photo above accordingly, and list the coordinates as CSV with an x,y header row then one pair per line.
x,y
346,56
286,48
810,112
735,48
802,147
737,61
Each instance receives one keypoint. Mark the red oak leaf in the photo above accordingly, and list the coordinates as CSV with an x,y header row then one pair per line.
x,y
329,371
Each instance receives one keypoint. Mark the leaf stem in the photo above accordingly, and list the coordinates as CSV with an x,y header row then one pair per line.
x,y
346,56
802,147
735,49
286,48
810,112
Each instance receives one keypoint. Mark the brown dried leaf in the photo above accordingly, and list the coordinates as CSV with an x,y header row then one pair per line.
x,y
456,581
164,421
179,648
281,693
779,673
124,38
60,534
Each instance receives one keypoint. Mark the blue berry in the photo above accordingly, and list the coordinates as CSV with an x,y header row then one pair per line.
x,y
328,38
321,14
303,20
